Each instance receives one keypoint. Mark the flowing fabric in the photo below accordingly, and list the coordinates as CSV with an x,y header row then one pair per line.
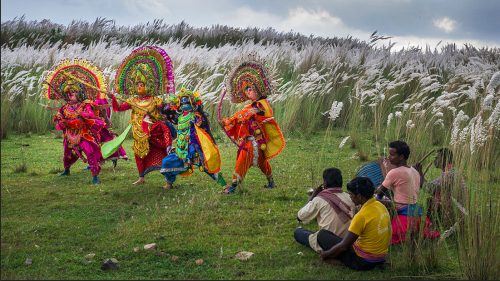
x,y
407,222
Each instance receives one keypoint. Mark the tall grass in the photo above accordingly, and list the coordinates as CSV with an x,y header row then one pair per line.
x,y
477,150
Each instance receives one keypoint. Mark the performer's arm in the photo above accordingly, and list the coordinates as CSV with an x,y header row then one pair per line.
x,y
384,189
60,121
117,106
240,116
88,112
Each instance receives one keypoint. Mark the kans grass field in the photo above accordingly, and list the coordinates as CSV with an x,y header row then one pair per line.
x,y
340,102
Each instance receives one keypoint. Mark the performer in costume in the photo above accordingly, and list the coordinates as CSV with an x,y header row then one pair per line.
x,y
253,128
76,118
142,77
195,145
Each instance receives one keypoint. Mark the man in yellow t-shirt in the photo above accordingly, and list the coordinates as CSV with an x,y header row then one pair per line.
x,y
367,241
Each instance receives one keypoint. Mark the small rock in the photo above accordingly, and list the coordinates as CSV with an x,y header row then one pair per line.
x,y
199,262
36,246
150,247
136,249
174,258
300,253
243,255
28,262
90,256
110,264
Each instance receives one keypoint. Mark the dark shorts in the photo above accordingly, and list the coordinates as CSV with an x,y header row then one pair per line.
x,y
327,240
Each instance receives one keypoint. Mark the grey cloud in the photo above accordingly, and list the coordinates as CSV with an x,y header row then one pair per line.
x,y
476,20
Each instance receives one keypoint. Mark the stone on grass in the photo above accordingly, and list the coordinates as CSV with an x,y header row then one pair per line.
x,y
90,256
150,247
109,264
243,255
28,262
199,262
136,249
174,258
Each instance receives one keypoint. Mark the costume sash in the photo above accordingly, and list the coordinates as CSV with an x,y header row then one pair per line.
x,y
110,147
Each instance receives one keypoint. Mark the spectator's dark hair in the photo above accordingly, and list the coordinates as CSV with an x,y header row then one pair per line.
x,y
445,155
332,177
361,185
401,147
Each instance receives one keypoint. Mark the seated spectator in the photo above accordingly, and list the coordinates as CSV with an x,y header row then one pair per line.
x,y
404,182
332,208
442,189
366,243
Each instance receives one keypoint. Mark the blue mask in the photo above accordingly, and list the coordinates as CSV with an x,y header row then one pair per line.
x,y
186,107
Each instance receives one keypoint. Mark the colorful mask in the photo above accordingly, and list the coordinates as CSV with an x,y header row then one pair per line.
x,y
150,65
59,81
248,74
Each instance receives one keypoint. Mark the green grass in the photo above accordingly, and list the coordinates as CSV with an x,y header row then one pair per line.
x,y
56,221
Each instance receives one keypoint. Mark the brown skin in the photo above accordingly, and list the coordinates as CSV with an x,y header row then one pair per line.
x,y
397,160
141,88
439,162
253,96
72,99
319,189
350,237
251,93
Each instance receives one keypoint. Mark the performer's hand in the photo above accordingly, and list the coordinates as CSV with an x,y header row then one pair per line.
x,y
62,123
254,111
169,149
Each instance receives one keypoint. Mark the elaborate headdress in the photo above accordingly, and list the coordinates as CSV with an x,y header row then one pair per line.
x,y
249,73
150,65
59,81
193,96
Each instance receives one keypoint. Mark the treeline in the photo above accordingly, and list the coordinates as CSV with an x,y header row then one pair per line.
x,y
19,32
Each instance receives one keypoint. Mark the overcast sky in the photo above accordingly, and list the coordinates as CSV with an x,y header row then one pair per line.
x,y
410,22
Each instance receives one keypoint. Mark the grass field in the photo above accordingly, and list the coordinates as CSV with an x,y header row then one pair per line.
x,y
57,221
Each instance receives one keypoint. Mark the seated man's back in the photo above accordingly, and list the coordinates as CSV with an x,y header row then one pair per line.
x,y
327,217
332,208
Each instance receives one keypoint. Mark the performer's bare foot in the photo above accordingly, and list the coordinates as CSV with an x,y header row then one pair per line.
x,y
167,186
229,189
139,181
